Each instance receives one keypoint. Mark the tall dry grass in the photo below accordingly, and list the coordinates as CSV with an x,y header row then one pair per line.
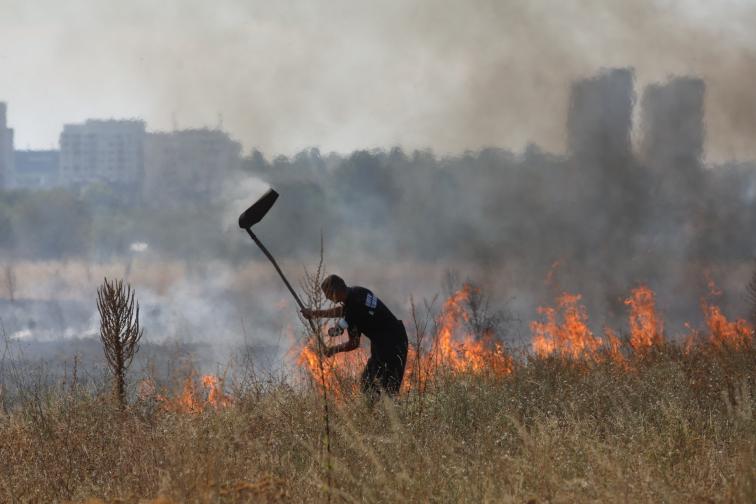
x,y
678,427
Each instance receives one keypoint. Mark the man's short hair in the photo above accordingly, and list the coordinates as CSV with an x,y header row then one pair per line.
x,y
333,283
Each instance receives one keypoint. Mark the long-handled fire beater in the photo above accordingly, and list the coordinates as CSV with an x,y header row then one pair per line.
x,y
252,216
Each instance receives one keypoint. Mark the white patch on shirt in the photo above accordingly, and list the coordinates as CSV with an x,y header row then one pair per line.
x,y
371,302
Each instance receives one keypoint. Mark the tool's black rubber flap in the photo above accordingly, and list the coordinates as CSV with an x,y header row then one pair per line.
x,y
257,211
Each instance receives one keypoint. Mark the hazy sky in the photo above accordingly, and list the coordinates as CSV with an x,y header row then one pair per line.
x,y
349,74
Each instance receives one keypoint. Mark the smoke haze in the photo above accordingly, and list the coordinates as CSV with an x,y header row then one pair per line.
x,y
348,75
620,136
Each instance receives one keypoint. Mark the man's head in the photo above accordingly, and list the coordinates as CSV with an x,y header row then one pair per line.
x,y
334,288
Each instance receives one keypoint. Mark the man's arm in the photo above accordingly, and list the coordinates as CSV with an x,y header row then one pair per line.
x,y
351,344
335,312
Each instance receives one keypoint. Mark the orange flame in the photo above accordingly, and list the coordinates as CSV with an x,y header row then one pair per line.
x,y
453,349
339,373
194,399
459,350
563,331
615,348
736,334
646,328
215,395
570,338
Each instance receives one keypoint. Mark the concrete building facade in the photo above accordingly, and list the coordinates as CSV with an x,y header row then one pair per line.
x,y
672,118
599,121
188,166
672,146
6,148
36,169
102,151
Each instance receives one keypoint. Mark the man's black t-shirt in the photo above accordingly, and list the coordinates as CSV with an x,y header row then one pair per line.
x,y
365,313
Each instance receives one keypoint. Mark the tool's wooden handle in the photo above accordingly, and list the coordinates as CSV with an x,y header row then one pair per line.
x,y
288,285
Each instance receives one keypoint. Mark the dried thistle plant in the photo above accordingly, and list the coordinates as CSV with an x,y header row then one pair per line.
x,y
119,331
421,324
314,295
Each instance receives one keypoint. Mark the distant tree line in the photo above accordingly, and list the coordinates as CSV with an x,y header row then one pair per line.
x,y
488,206
101,223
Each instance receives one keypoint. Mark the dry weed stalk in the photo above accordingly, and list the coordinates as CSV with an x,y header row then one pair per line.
x,y
421,325
119,331
314,294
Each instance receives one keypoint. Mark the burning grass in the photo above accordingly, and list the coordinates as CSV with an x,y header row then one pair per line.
x,y
198,393
563,333
454,349
638,418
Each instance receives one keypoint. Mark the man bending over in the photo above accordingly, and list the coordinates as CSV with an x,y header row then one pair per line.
x,y
361,312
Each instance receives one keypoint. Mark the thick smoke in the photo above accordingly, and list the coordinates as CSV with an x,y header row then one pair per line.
x,y
346,75
613,178
608,215
611,215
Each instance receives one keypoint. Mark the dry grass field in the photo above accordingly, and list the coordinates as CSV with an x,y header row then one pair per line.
x,y
631,417
678,427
